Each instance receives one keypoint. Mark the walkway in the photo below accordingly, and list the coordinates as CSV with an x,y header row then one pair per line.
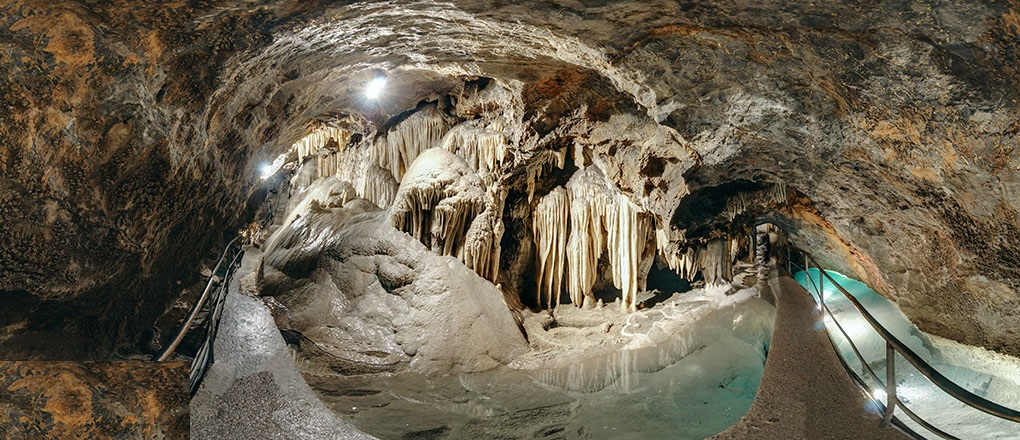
x,y
805,392
253,390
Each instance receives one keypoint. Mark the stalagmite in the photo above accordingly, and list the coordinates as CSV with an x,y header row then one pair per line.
x,y
551,219
437,201
715,262
402,144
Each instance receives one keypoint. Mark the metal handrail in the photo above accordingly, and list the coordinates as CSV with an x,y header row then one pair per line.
x,y
867,367
894,345
198,305
205,353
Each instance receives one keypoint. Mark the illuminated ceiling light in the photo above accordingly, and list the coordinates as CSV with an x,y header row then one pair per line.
x,y
267,171
375,87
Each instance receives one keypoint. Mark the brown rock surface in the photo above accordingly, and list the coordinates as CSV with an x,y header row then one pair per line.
x,y
115,400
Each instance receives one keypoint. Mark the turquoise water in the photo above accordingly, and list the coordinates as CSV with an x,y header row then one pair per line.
x,y
691,387
991,375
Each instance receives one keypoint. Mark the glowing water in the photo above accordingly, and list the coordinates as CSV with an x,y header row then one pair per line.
x,y
991,375
688,388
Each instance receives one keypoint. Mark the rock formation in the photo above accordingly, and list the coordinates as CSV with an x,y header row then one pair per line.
x,y
881,136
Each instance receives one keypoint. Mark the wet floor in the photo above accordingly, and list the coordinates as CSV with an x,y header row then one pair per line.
x,y
689,387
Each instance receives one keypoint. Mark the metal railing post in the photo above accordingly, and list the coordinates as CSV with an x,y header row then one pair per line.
x,y
890,384
821,287
789,261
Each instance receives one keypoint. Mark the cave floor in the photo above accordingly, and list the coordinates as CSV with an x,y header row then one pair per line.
x,y
252,389
805,392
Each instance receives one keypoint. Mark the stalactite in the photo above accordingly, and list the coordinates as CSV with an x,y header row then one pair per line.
x,y
686,263
590,198
481,250
402,144
323,161
576,227
541,164
484,147
317,139
551,219
437,201
737,204
628,232
377,185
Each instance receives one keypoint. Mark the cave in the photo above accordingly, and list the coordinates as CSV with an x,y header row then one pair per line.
x,y
490,219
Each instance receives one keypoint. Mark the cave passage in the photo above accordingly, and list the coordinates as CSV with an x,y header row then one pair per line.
x,y
546,195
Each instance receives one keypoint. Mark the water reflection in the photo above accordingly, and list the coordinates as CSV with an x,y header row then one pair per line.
x,y
696,384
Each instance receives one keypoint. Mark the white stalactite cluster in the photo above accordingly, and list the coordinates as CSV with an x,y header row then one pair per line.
x,y
377,185
573,226
317,139
715,259
481,248
439,198
322,161
404,142
483,147
737,204
551,228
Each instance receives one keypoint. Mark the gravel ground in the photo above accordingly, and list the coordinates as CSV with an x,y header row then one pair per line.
x,y
805,392
252,390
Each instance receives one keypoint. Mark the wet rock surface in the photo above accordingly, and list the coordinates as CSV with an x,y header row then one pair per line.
x,y
131,134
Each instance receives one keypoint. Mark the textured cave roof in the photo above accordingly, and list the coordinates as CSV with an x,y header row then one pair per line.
x,y
130,133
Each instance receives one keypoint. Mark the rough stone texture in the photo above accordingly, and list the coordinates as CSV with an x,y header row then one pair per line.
x,y
131,133
115,400
367,297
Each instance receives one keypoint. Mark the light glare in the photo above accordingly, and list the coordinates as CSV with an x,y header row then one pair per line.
x,y
375,87
267,171
879,394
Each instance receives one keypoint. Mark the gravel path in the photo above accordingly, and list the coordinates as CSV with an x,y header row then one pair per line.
x,y
805,392
252,390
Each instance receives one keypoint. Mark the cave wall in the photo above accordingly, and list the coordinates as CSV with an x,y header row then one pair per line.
x,y
131,134
111,189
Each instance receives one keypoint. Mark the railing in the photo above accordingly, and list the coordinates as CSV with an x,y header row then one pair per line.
x,y
893,346
217,286
204,356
